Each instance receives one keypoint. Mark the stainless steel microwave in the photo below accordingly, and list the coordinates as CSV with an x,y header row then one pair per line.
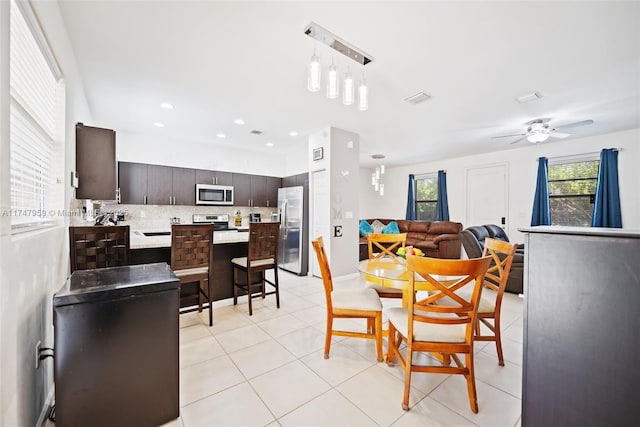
x,y
207,194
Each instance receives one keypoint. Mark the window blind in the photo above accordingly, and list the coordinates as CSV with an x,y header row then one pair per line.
x,y
36,122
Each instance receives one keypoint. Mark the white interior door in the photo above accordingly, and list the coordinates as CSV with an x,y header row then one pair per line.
x,y
320,222
487,196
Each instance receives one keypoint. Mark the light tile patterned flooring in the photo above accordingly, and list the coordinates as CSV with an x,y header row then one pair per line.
x,y
268,370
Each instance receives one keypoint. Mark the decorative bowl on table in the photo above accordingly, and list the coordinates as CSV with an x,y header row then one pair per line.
x,y
409,250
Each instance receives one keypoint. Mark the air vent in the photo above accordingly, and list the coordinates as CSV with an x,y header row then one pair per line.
x,y
416,98
529,97
256,132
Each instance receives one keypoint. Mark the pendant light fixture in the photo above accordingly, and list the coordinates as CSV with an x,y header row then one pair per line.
x,y
363,95
348,89
332,81
377,177
349,85
313,75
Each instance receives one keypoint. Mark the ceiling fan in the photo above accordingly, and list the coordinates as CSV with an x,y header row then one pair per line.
x,y
538,130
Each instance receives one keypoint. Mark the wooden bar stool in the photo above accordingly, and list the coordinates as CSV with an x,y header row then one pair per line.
x,y
262,255
98,246
192,261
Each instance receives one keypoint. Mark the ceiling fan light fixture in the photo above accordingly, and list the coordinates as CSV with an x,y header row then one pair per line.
x,y
538,137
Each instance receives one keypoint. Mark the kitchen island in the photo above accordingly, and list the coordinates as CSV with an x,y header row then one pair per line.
x,y
149,246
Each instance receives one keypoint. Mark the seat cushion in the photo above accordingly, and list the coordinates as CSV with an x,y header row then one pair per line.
x,y
190,271
356,299
426,331
242,262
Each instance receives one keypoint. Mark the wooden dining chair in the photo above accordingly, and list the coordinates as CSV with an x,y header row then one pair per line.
x,y
98,246
489,307
192,261
385,246
262,255
349,304
444,330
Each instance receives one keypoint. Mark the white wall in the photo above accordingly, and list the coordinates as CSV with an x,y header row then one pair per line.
x,y
142,148
522,166
33,265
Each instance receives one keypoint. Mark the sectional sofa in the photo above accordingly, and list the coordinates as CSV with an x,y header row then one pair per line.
x,y
438,239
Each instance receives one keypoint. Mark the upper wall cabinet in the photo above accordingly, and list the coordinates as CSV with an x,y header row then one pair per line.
x,y
213,177
95,163
255,190
143,184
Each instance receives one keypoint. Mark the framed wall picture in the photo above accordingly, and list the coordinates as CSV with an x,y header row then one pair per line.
x,y
318,153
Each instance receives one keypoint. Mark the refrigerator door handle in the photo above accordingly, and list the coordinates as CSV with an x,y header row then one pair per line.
x,y
283,219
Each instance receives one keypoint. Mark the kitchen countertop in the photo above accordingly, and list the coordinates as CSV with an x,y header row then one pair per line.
x,y
137,239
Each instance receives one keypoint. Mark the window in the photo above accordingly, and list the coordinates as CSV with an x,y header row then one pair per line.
x,y
426,197
36,123
572,189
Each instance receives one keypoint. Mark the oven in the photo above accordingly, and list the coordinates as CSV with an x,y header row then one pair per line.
x,y
207,194
220,221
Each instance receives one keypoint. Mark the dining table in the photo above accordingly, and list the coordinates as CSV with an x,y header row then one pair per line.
x,y
392,273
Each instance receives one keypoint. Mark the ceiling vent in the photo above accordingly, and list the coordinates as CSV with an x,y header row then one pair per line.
x,y
256,132
529,97
417,98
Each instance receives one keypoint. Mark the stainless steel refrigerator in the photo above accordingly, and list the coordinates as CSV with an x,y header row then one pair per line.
x,y
292,248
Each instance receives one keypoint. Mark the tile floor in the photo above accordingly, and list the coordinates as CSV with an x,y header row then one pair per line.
x,y
268,370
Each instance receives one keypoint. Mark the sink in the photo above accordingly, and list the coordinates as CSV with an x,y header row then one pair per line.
x,y
156,233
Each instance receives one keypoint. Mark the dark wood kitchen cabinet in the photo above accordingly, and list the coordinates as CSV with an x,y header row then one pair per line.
x,y
258,190
95,163
241,189
213,177
142,184
271,194
159,185
132,180
184,186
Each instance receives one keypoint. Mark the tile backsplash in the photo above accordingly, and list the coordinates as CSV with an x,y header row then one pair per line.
x,y
154,217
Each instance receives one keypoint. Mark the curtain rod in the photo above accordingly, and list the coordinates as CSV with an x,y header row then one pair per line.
x,y
422,175
578,156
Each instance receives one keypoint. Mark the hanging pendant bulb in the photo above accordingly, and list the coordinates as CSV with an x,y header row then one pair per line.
x,y
373,178
332,81
348,90
382,189
363,95
313,75
382,169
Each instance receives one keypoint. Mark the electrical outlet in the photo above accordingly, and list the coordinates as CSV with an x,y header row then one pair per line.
x,y
38,345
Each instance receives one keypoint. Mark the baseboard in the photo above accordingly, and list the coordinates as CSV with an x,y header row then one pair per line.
x,y
44,412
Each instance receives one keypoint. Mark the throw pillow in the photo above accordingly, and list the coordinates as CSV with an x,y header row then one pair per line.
x,y
365,228
391,228
377,226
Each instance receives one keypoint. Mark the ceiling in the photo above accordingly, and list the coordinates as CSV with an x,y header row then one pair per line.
x,y
218,61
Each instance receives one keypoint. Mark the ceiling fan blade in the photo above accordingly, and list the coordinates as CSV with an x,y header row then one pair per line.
x,y
520,139
558,134
575,125
508,136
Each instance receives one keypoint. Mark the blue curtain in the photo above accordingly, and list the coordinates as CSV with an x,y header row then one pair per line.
x,y
606,209
442,207
541,210
411,198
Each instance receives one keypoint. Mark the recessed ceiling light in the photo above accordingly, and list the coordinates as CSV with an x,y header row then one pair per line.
x,y
158,124
269,144
221,135
239,121
293,133
167,106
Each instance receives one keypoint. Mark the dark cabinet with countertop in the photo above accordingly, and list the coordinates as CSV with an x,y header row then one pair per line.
x,y
116,338
95,163
581,322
